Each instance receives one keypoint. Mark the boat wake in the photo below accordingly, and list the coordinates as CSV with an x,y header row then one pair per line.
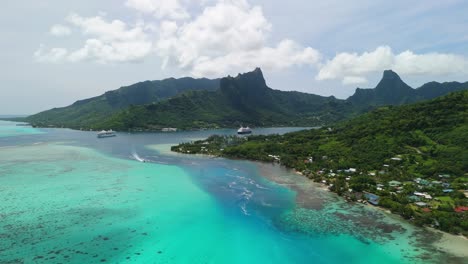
x,y
136,157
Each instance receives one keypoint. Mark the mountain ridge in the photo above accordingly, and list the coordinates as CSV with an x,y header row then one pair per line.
x,y
392,90
244,99
189,103
98,108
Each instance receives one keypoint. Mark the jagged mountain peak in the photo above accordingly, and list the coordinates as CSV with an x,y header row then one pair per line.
x,y
253,80
392,82
389,74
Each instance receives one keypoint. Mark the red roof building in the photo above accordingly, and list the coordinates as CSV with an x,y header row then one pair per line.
x,y
461,209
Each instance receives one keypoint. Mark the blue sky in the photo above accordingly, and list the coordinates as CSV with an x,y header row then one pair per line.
x,y
56,52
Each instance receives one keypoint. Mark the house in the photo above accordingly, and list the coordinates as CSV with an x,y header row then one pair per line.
x,y
372,198
414,198
444,176
371,173
421,204
461,209
447,190
394,183
424,182
424,195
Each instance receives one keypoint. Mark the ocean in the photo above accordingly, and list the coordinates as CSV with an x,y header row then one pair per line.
x,y
69,197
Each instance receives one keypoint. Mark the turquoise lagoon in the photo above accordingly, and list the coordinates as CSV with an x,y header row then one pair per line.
x,y
11,129
68,197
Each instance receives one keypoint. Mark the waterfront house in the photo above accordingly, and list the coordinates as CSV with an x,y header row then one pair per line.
x,y
372,198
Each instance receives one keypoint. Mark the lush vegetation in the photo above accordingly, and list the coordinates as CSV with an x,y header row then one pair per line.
x,y
232,101
92,112
404,155
244,99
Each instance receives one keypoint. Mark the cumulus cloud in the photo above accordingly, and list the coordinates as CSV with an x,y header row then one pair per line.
x,y
352,68
53,55
286,54
171,9
227,37
109,41
60,30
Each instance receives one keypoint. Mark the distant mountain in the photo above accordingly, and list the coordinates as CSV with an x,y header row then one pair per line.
x,y
189,103
391,90
96,110
241,100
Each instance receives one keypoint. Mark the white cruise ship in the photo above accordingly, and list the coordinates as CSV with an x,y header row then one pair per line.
x,y
244,130
104,134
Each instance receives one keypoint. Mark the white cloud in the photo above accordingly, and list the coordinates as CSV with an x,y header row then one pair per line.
x,y
286,54
53,55
430,63
352,68
354,80
227,37
110,41
60,30
171,9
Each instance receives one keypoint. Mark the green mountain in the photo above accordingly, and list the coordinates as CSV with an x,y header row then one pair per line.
x,y
435,131
96,110
228,102
241,100
388,149
391,90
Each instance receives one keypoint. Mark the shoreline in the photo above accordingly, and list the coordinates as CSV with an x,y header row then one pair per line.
x,y
453,245
456,245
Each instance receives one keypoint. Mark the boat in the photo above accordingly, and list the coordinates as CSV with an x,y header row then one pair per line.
x,y
244,130
104,134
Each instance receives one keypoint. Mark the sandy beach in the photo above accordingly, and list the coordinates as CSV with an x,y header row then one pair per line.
x,y
456,245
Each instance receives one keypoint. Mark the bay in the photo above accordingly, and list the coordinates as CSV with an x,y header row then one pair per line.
x,y
69,197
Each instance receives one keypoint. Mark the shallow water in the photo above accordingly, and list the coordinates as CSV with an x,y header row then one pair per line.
x,y
68,197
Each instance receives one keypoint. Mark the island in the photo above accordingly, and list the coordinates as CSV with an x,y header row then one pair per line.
x,y
411,159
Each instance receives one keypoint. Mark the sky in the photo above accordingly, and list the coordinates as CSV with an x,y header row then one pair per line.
x,y
55,52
